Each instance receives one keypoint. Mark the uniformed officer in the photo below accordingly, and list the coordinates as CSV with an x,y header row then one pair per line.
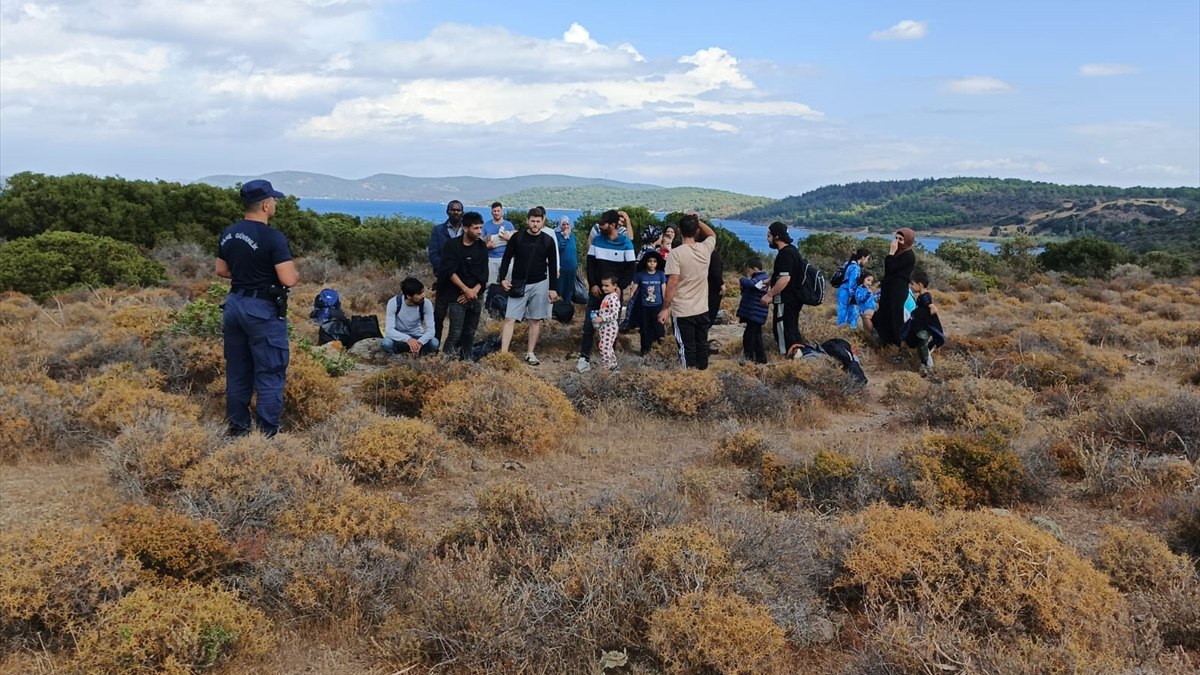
x,y
257,258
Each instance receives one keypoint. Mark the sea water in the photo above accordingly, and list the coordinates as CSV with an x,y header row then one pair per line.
x,y
753,234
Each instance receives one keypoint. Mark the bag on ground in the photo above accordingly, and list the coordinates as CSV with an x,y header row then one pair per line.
x,y
363,328
326,306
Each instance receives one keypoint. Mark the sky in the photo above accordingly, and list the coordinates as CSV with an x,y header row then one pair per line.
x,y
765,98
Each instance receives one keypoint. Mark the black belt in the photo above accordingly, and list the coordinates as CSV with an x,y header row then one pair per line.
x,y
261,293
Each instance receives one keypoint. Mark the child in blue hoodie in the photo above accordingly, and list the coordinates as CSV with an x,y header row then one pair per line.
x,y
752,312
864,302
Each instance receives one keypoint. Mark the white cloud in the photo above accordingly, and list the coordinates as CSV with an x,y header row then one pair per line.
x,y
1102,161
977,85
700,90
675,123
907,29
1106,69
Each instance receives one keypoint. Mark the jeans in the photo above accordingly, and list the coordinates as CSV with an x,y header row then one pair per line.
x,y
394,347
464,319
752,343
691,332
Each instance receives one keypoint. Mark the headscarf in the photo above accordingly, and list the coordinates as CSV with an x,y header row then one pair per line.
x,y
910,238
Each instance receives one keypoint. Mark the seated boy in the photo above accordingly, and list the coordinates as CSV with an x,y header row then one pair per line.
x,y
924,329
408,326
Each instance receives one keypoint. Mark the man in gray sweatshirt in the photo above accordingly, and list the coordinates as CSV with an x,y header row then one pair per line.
x,y
408,326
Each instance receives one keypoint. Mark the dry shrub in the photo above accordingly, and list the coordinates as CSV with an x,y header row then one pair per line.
x,y
905,389
748,398
251,481
510,509
516,414
684,393
717,632
462,620
829,480
151,455
505,362
989,576
1185,525
310,395
145,322
53,579
973,404
682,559
1169,332
404,388
1162,586
606,606
38,420
324,578
1095,368
177,629
1136,560
1158,424
963,471
393,451
350,515
744,448
621,519
188,364
124,395
169,544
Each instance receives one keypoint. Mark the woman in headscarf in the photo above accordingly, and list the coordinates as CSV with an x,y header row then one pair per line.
x,y
897,271
568,259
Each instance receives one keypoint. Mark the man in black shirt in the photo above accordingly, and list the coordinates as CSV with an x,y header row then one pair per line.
x,y
461,275
785,284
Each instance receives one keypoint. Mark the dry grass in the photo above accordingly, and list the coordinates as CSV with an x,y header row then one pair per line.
x,y
615,513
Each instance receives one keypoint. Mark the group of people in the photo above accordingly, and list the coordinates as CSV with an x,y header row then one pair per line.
x,y
673,286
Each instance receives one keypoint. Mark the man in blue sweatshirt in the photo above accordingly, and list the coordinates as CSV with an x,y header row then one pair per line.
x,y
610,254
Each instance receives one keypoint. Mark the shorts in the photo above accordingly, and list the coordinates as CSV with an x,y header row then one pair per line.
x,y
535,304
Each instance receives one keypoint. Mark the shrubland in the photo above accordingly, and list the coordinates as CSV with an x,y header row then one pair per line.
x,y
1033,501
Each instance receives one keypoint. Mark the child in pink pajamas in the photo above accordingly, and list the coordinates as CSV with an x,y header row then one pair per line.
x,y
606,320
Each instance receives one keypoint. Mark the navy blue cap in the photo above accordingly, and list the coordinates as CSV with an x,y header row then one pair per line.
x,y
255,191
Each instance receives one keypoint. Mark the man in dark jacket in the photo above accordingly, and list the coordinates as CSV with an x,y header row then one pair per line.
x,y
438,236
609,255
461,276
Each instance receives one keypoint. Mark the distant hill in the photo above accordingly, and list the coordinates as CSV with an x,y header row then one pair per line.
x,y
1136,216
413,188
714,203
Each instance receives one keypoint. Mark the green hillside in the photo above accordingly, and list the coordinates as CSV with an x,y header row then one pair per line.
x,y
712,203
1137,216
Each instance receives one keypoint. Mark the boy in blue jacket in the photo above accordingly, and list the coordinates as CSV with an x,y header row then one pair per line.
x,y
752,312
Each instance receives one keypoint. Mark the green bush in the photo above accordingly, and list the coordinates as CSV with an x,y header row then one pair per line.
x,y
202,317
1083,256
55,261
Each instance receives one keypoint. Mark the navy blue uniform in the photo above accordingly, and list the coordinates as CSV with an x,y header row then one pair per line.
x,y
256,339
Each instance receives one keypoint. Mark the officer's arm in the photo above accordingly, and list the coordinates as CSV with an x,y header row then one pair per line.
x,y
223,270
287,273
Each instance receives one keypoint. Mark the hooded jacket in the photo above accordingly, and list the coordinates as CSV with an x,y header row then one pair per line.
x,y
611,257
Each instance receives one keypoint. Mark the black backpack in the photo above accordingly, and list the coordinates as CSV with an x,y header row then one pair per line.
x,y
839,277
495,301
812,284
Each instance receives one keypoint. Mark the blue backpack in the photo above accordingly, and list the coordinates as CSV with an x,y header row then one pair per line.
x,y
326,306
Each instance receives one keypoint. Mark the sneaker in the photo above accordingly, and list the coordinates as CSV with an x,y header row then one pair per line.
x,y
582,365
532,359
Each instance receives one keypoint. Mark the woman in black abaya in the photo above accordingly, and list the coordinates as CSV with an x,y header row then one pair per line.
x,y
897,271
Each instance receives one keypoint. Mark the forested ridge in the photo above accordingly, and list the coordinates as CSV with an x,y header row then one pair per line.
x,y
1143,218
710,203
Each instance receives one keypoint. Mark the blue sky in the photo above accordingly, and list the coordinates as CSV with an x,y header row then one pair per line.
x,y
770,98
